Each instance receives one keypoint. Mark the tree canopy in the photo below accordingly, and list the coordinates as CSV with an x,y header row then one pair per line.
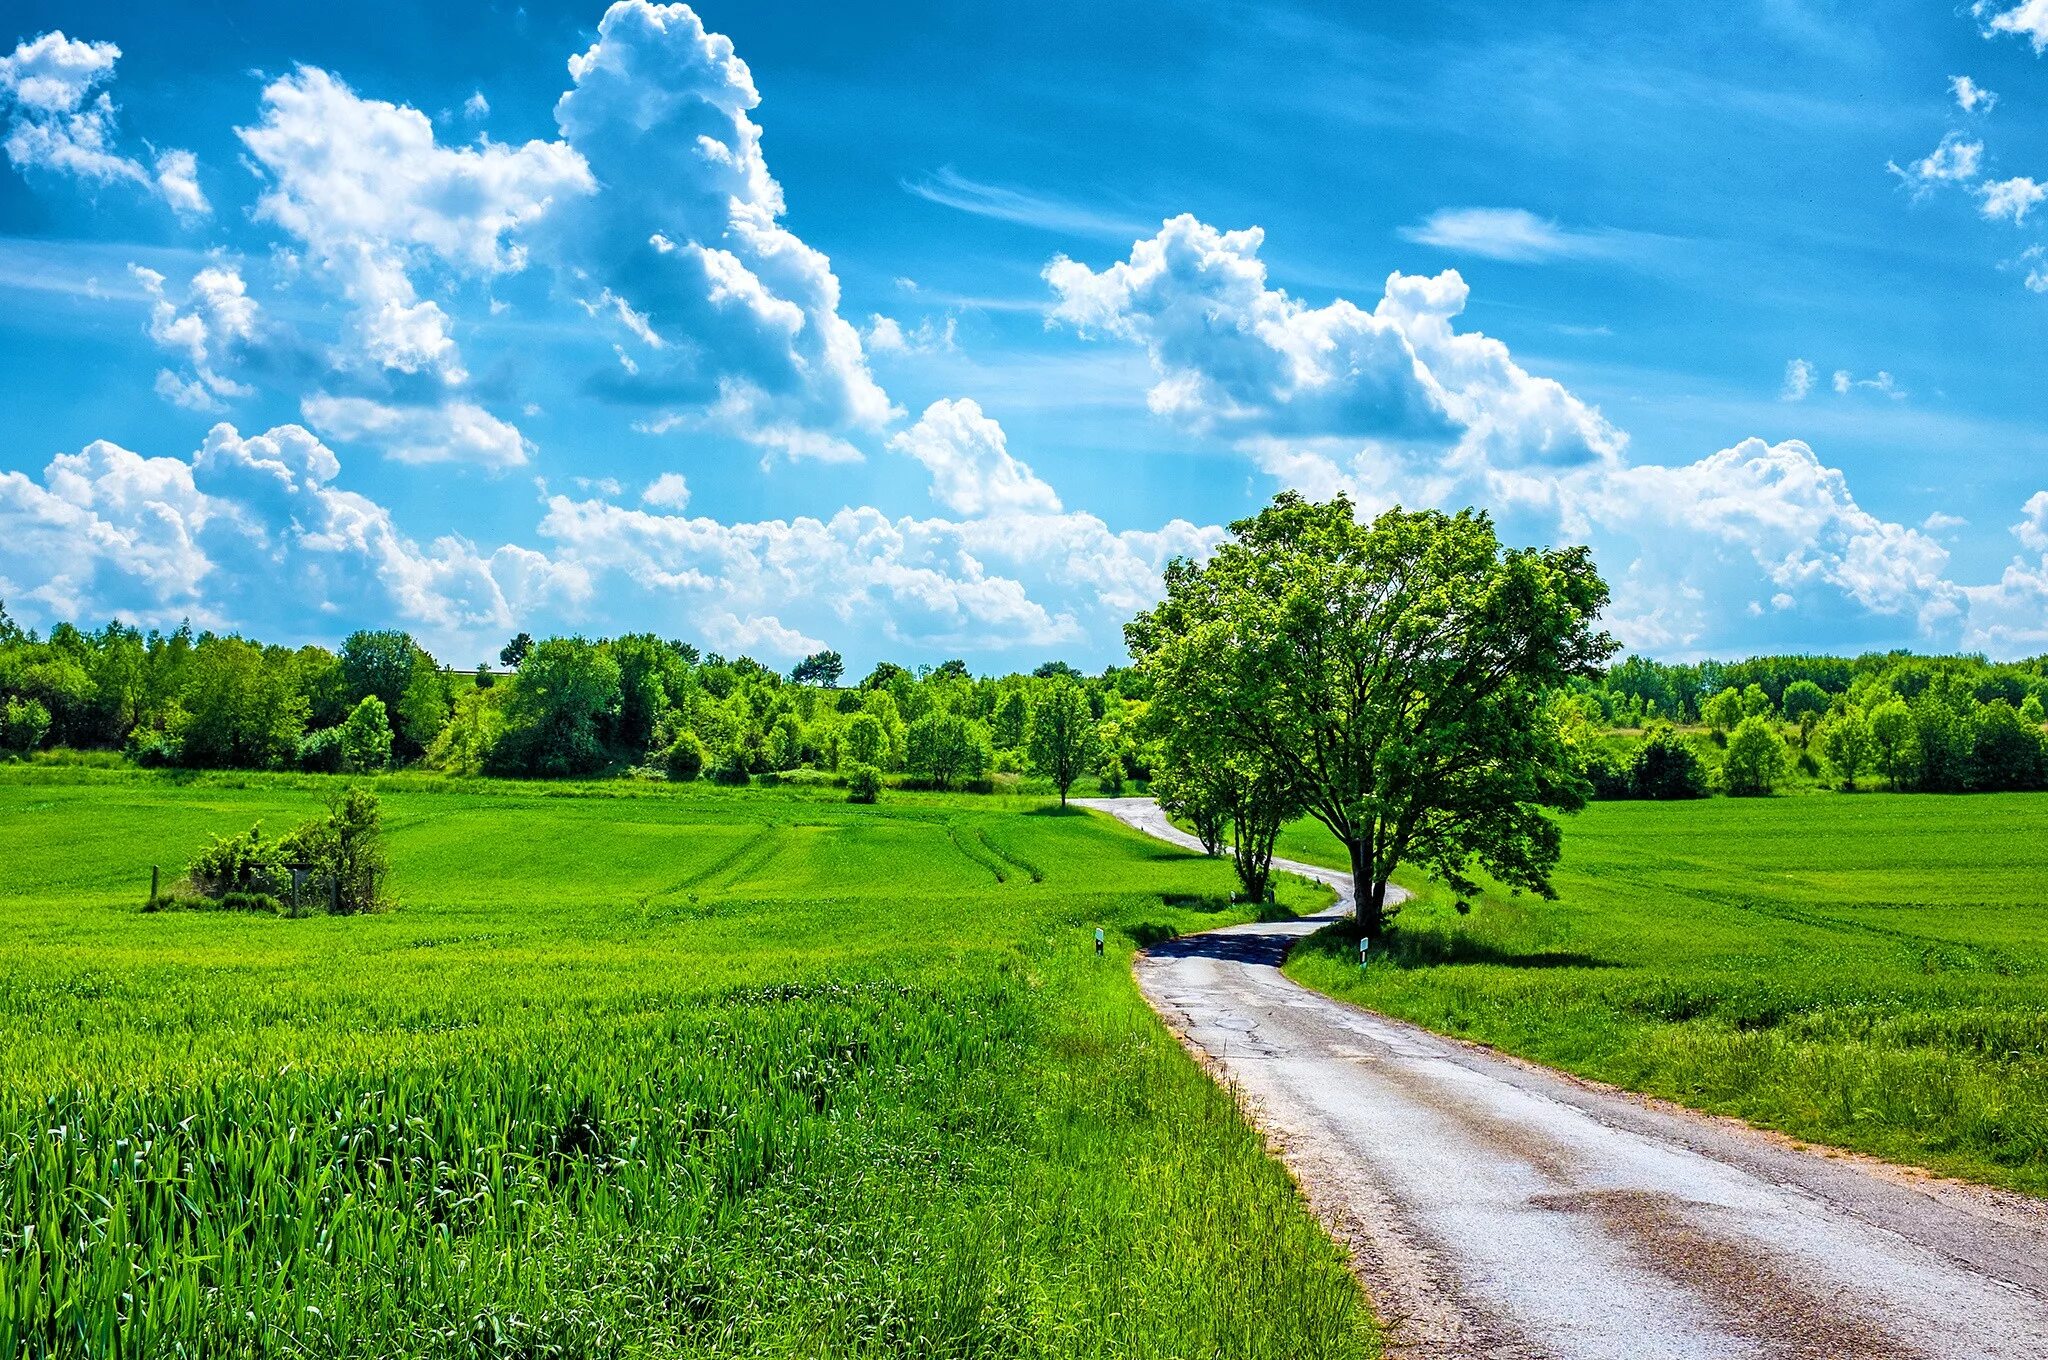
x,y
1395,675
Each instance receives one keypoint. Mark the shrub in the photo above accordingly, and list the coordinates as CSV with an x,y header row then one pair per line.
x,y
1757,759
1666,767
345,850
1607,773
154,749
863,783
23,725
366,738
236,864
685,758
1109,772
321,751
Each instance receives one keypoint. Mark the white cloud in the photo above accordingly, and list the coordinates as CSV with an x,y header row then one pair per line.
x,y
1970,96
476,106
886,335
2011,199
1798,380
60,125
1512,234
449,432
2032,530
250,532
2027,19
1954,159
686,231
1846,383
668,491
973,471
372,194
758,633
951,189
215,322
1232,354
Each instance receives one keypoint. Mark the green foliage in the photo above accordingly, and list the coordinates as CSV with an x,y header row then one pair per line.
x,y
945,748
863,783
1868,972
1062,737
1757,761
1396,677
1847,743
24,723
240,707
866,742
1723,711
566,696
819,668
2031,711
321,752
685,757
366,738
1010,725
468,744
1666,767
346,850
1804,703
1892,742
2006,750
640,1069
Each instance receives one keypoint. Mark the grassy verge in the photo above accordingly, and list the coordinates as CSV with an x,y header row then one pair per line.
x,y
633,1071
1868,970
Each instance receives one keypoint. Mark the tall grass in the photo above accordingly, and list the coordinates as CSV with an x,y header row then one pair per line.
x,y
661,1073
1866,970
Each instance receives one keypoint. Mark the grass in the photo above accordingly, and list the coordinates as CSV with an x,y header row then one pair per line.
x,y
1869,971
632,1071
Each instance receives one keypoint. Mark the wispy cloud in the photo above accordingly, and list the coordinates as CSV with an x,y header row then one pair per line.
x,y
954,190
1519,236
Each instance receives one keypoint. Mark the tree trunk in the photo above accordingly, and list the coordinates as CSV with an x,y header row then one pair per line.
x,y
1368,893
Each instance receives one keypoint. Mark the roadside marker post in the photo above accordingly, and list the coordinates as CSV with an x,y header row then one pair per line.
x,y
1098,941
1364,944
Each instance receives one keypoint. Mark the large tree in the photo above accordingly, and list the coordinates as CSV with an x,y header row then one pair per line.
x,y
1395,675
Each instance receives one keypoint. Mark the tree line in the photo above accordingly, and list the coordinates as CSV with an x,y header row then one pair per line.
x,y
560,707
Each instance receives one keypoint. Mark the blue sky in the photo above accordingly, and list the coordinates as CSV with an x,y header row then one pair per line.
x,y
927,331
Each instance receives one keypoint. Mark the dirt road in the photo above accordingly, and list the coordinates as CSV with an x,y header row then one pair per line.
x,y
1500,1209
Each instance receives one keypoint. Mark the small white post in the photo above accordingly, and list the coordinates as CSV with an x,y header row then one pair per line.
x,y
1098,939
1364,944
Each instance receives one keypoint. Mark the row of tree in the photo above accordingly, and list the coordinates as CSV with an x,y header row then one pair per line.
x,y
1638,691
563,707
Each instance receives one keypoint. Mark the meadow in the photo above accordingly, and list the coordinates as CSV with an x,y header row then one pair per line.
x,y
1866,970
632,1071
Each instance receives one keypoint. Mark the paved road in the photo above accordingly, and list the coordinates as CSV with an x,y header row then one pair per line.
x,y
1500,1209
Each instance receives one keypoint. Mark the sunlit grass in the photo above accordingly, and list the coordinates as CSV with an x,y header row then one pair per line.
x,y
1866,970
631,1071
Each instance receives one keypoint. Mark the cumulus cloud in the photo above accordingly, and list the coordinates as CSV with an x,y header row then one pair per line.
x,y
214,321
2027,19
372,193
1970,96
448,432
250,531
686,232
669,491
2011,199
58,124
2032,530
1955,158
972,469
1233,354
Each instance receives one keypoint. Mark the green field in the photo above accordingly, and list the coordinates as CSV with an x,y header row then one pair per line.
x,y
632,1071
1866,970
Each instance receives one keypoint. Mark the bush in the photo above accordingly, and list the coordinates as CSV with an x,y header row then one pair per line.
x,y
366,738
237,864
320,752
685,758
23,725
863,783
154,749
1666,767
1109,772
1757,759
1606,772
246,872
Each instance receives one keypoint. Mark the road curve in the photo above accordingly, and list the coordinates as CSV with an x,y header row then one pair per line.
x,y
1496,1208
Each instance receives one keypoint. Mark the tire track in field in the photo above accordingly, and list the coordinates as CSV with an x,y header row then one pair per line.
x,y
1496,1208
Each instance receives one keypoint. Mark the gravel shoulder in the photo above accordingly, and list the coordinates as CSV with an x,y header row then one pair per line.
x,y
1498,1208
